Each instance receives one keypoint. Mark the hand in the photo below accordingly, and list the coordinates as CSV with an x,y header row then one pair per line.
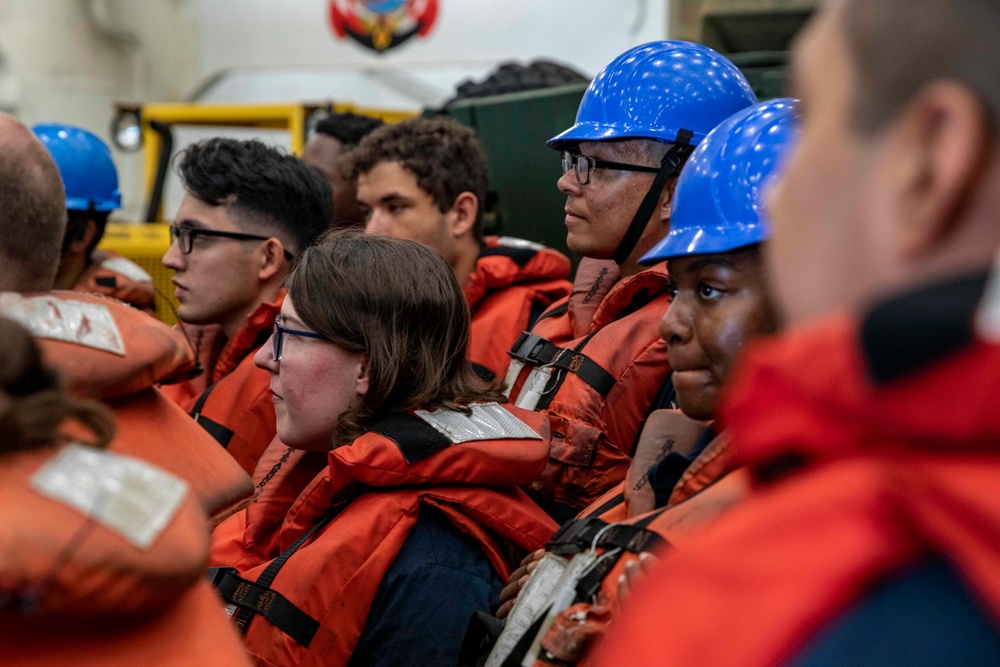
x,y
635,572
518,579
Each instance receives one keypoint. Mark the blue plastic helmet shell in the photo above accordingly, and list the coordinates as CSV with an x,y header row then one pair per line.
x,y
717,204
85,163
654,90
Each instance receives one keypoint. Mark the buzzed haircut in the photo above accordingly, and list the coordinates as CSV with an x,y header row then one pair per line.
x,y
899,46
445,156
32,212
348,128
262,187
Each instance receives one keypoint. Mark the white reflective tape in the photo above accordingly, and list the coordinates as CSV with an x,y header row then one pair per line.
x,y
131,497
532,601
534,388
514,242
512,372
488,421
127,268
89,324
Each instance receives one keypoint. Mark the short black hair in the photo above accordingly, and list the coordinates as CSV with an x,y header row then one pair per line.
x,y
445,156
261,186
76,227
347,128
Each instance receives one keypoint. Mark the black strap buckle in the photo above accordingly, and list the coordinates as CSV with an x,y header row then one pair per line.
x,y
575,536
533,349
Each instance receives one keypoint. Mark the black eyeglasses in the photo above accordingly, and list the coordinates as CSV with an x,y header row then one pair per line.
x,y
185,237
279,333
583,165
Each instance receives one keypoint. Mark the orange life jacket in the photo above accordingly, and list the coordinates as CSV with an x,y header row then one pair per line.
x,y
231,398
513,283
600,386
340,535
83,586
108,351
707,488
858,481
110,274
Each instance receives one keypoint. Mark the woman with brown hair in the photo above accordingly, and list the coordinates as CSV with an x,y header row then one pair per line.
x,y
101,555
383,556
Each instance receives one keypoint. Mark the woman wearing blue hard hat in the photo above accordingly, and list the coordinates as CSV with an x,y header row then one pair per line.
x,y
720,301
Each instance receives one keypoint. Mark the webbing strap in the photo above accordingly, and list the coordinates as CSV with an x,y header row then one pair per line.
x,y
669,165
633,538
246,614
579,359
537,351
270,604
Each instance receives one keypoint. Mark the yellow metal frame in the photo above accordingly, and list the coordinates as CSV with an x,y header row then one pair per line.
x,y
290,117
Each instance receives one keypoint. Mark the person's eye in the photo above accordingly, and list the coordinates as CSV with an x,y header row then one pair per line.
x,y
672,290
396,208
708,292
366,213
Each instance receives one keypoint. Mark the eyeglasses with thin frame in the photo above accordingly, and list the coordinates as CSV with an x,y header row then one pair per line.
x,y
185,236
583,165
280,332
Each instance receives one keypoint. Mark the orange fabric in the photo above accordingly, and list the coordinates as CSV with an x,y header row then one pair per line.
x,y
232,397
100,277
593,438
707,489
334,576
885,482
148,426
504,290
107,602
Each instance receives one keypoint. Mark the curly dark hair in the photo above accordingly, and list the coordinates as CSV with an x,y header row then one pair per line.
x,y
348,128
399,302
445,156
263,188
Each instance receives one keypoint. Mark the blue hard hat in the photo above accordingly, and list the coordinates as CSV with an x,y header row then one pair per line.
x,y
717,204
654,91
85,164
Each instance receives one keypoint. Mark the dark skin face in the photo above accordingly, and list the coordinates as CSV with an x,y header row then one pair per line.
x,y
720,302
324,153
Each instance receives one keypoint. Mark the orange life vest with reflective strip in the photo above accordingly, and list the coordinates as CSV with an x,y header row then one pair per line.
x,y
110,274
231,399
857,482
78,591
596,390
513,283
707,488
109,351
327,579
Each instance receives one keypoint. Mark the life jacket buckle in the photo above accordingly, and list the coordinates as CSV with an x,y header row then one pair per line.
x,y
575,536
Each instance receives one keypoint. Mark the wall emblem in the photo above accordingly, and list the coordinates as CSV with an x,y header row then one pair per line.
x,y
382,24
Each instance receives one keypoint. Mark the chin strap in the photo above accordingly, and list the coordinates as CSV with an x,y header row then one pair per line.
x,y
670,164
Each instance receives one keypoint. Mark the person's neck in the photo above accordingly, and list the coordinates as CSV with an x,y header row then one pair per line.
x,y
232,325
71,269
464,262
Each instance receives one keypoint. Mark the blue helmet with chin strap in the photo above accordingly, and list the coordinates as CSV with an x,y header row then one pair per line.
x,y
670,91
660,90
717,204
85,164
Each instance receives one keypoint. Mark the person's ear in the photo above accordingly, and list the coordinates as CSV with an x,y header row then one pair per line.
x,y
271,259
79,245
666,206
462,214
940,148
362,379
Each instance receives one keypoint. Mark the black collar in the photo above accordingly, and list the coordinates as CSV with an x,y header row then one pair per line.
x,y
907,333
